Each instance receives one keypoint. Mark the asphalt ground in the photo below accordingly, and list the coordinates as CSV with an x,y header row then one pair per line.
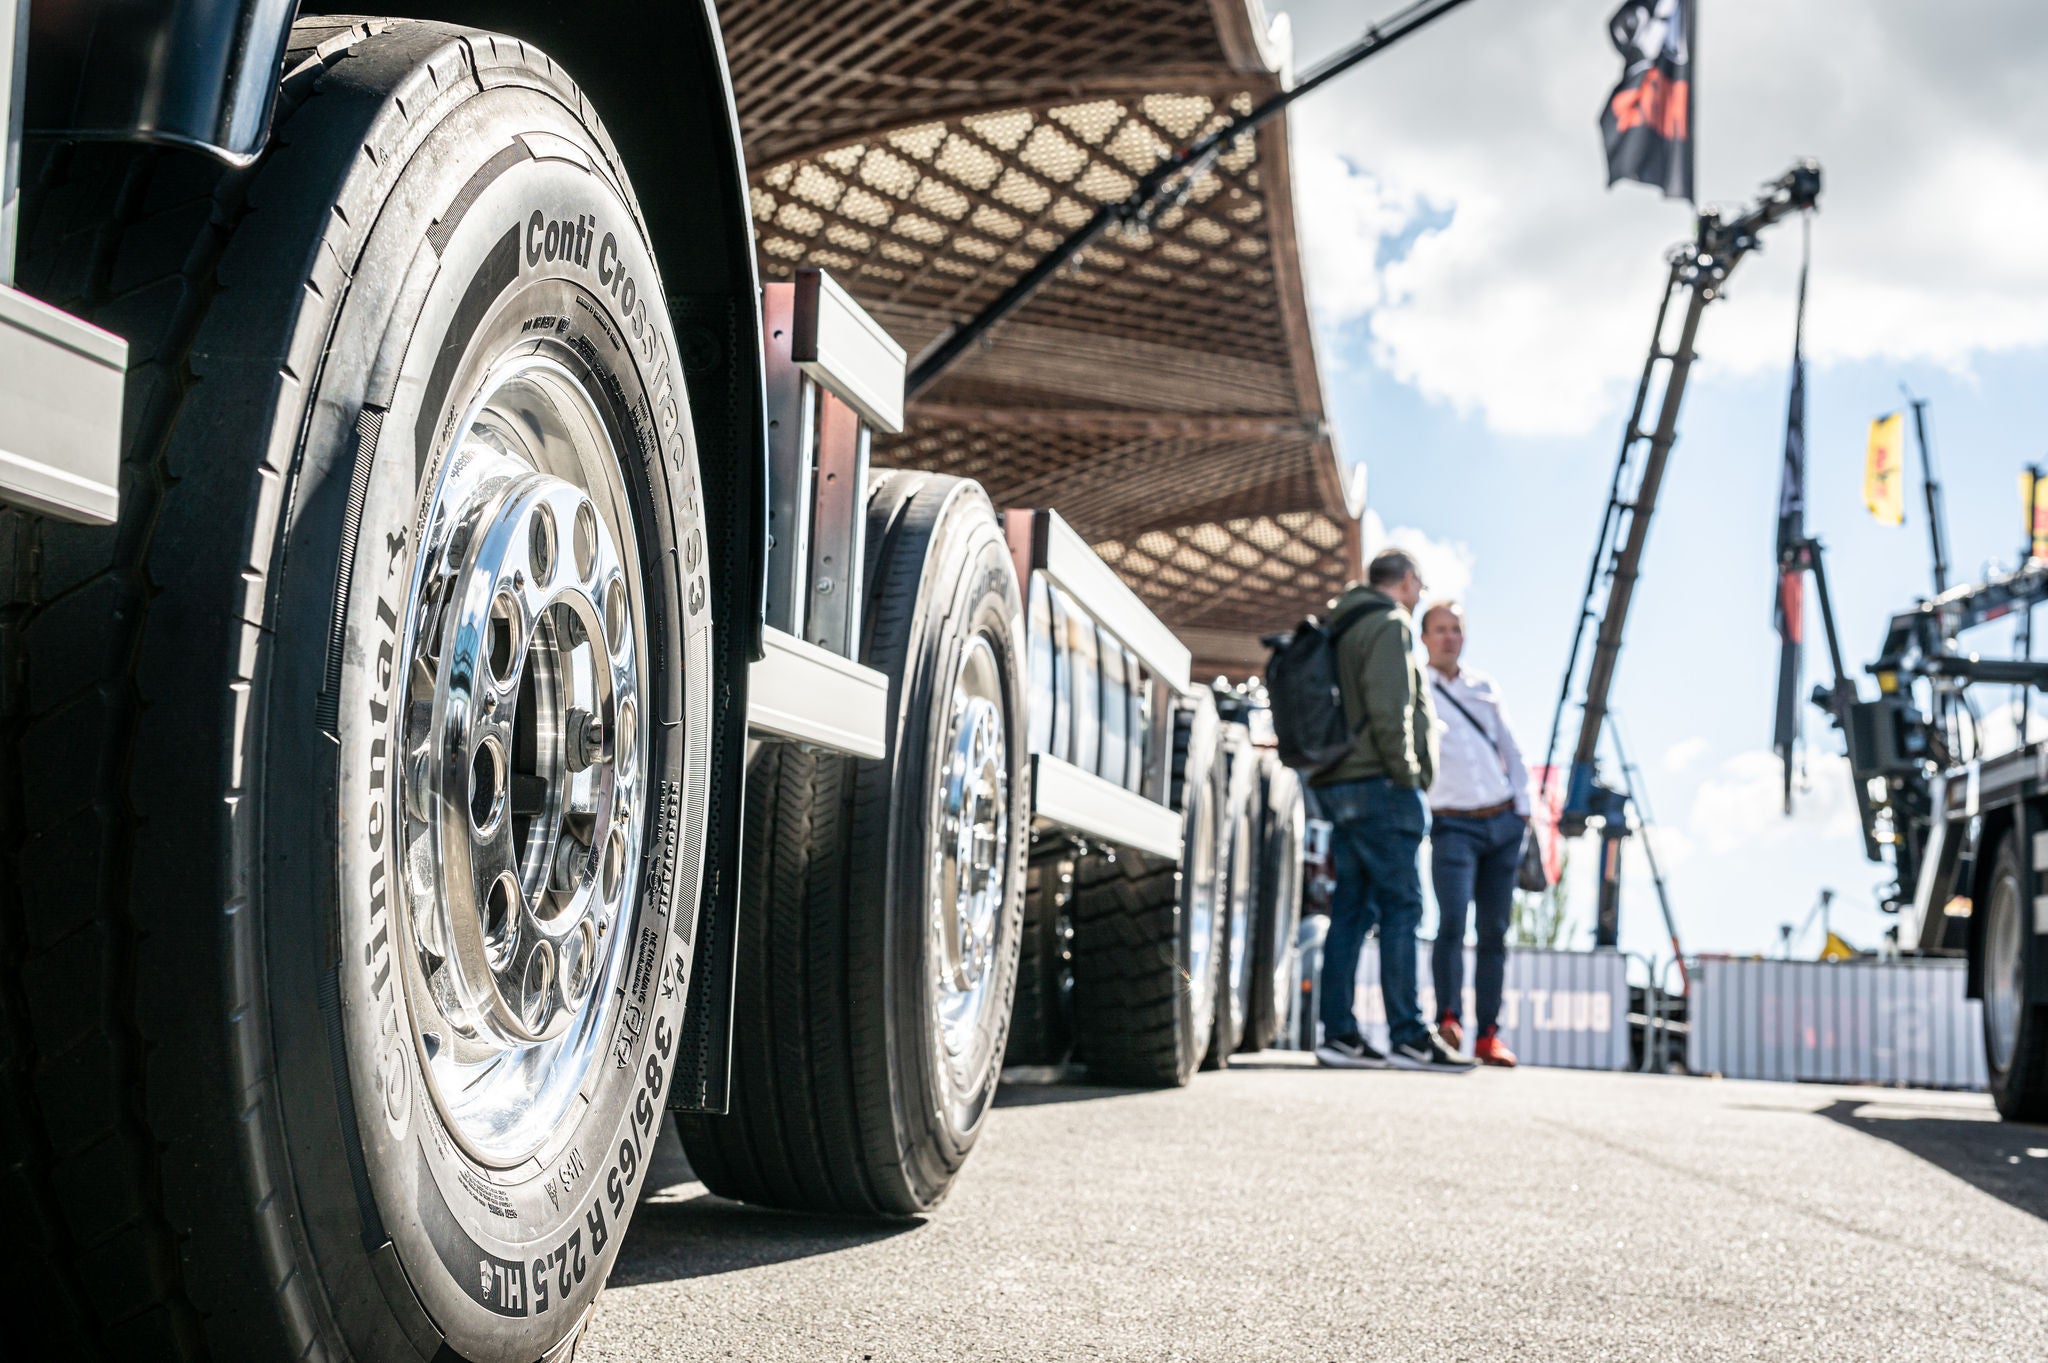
x,y
1282,1211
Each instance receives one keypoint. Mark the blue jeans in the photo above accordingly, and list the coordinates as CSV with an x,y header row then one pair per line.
x,y
1377,841
1473,863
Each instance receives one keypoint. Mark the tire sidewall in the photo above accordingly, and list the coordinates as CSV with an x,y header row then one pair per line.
x,y
506,1261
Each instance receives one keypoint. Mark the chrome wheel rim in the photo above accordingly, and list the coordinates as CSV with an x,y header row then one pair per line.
x,y
523,756
2003,963
1240,915
1199,894
968,877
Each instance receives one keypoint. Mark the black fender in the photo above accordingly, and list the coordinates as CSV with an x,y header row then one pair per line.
x,y
185,72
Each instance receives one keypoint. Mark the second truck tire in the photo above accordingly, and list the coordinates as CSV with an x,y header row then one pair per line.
x,y
882,899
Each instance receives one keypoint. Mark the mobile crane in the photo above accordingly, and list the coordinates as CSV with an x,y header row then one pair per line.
x,y
1965,830
1701,268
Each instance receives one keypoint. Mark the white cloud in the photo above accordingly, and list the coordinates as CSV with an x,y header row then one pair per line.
x,y
1740,806
1680,756
1999,730
1531,303
1445,565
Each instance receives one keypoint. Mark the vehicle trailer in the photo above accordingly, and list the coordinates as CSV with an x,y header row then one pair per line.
x,y
465,693
1965,829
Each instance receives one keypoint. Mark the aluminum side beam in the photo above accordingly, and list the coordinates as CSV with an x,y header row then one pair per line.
x,y
800,693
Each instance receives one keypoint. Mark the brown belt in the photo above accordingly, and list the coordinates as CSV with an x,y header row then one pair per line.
x,y
1503,807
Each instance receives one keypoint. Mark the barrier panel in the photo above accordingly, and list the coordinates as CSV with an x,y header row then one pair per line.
x,y
1566,1009
1850,1022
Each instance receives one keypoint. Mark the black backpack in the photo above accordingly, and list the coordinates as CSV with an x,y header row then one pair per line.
x,y
1307,700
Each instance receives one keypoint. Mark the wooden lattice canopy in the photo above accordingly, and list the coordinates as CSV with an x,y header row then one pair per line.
x,y
1162,395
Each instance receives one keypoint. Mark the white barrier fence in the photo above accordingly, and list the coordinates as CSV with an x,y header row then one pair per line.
x,y
1852,1022
1567,1009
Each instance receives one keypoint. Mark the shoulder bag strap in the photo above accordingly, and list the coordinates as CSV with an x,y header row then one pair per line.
x,y
1473,720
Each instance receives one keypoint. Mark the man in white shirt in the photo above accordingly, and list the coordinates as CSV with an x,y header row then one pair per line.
x,y
1479,814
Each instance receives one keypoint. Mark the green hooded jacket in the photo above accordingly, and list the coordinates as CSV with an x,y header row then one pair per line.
x,y
1386,697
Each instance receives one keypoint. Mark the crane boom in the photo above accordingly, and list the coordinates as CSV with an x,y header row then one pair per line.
x,y
1702,267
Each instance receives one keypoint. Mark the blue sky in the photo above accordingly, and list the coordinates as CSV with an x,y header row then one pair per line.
x,y
1484,304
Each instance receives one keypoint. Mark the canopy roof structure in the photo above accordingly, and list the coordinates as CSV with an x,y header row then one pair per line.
x,y
1163,394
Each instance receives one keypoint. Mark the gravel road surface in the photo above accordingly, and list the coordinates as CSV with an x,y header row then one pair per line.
x,y
1282,1211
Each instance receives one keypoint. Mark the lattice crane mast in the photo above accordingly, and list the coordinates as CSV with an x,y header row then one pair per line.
x,y
1701,268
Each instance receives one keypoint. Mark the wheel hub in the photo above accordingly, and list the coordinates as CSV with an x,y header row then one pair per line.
x,y
970,852
522,774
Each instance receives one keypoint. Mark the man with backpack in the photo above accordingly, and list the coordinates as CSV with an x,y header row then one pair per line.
x,y
1479,816
1373,795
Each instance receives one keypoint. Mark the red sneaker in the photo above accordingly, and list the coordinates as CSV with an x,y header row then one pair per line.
x,y
1454,1036
1488,1050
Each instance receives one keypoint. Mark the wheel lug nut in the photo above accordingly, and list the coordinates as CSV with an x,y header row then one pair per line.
x,y
419,789
585,739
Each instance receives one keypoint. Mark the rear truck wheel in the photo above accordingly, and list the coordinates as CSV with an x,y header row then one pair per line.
x,y
1042,1017
1273,980
355,779
2015,1022
1236,898
879,932
1147,933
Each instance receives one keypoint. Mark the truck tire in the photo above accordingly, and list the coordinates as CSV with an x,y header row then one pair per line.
x,y
879,932
2015,1020
1042,1018
336,1008
1282,829
1146,934
1236,897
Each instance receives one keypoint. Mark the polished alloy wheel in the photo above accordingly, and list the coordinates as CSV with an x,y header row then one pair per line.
x,y
1200,897
2004,964
969,871
521,780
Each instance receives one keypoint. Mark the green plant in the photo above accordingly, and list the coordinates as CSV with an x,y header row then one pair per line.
x,y
1544,920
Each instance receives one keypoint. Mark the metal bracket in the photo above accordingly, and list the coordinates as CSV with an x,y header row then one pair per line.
x,y
833,373
60,412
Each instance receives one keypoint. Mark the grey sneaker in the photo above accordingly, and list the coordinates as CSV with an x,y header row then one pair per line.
x,y
1430,1055
1352,1052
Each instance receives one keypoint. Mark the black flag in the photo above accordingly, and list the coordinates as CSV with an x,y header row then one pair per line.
x,y
1647,123
1794,550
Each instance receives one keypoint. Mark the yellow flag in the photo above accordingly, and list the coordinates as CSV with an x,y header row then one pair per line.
x,y
1884,470
2037,514
1838,950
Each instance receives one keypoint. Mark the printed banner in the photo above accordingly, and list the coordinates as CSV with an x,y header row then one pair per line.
x,y
1567,1009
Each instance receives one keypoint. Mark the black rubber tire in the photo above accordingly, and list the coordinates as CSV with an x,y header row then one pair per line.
x,y
1237,896
217,1138
1135,1019
2019,1088
1042,1017
1282,828
837,1104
